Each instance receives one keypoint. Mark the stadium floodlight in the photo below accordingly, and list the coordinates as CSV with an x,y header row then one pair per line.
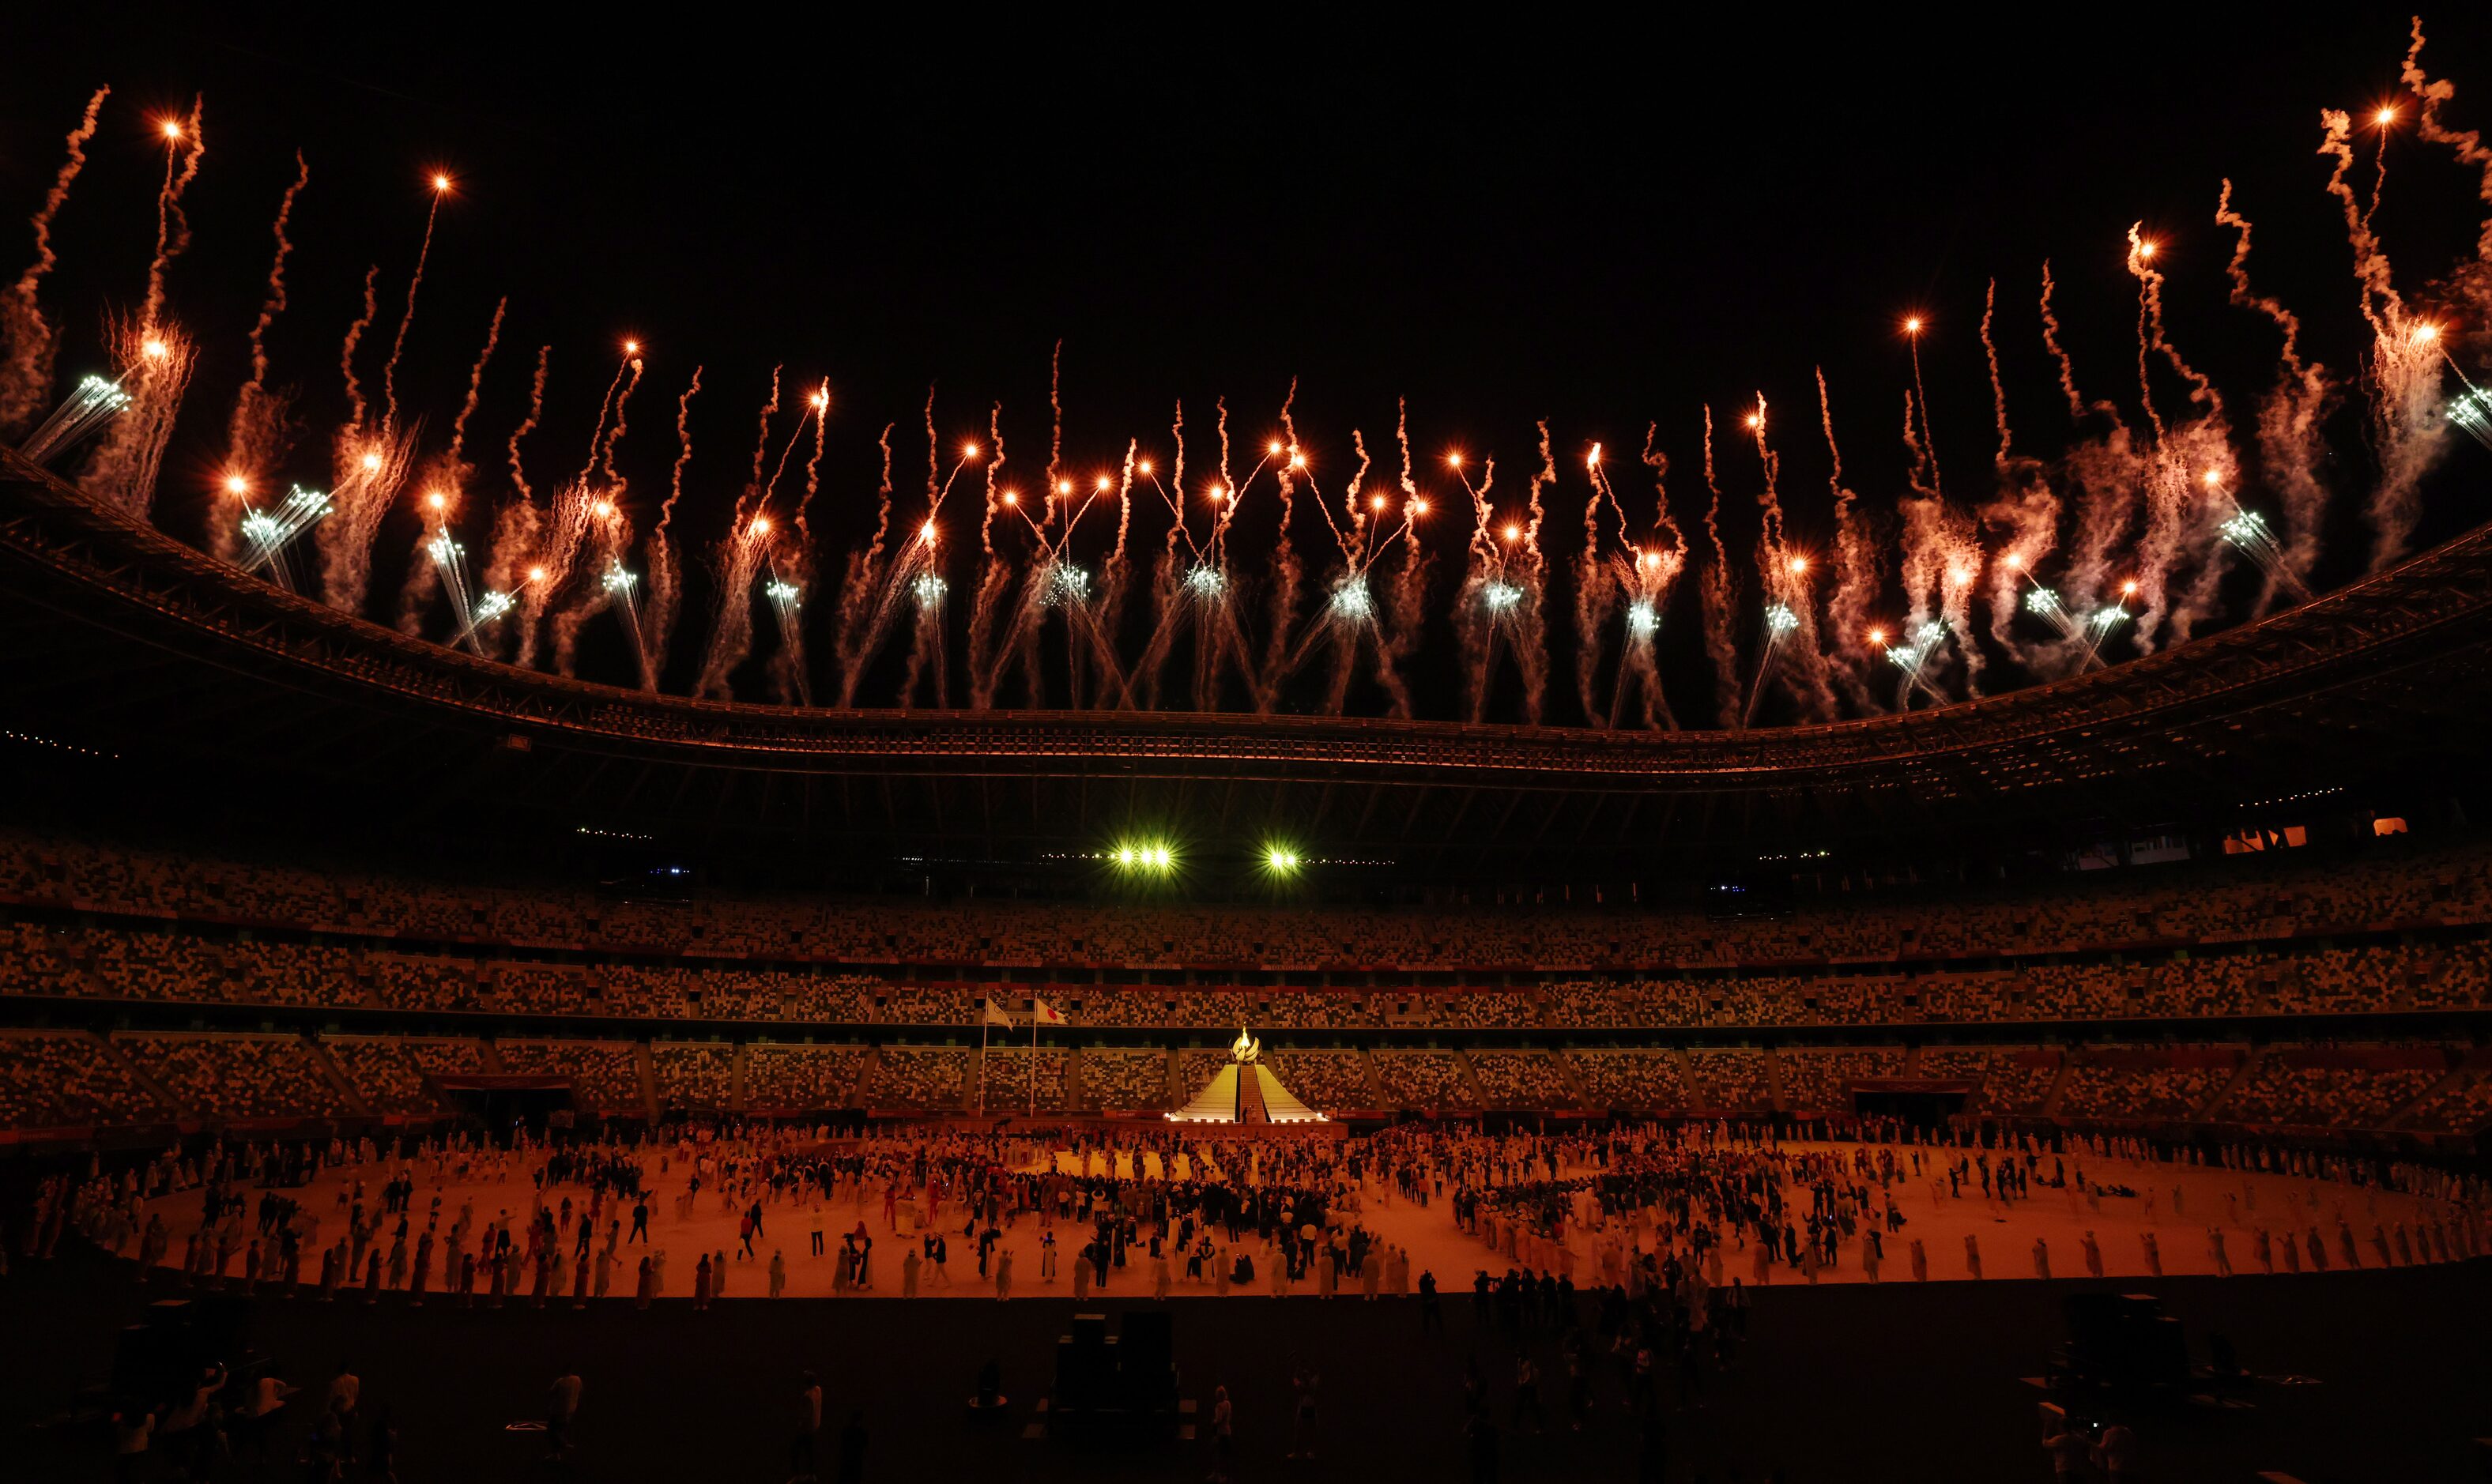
x,y
1144,855
1281,860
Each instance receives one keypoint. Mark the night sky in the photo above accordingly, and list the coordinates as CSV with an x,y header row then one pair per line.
x,y
1499,221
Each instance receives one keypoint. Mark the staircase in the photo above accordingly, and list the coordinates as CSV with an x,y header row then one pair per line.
x,y
648,1080
337,1076
1251,1107
2058,1083
1572,1078
172,1106
2206,1111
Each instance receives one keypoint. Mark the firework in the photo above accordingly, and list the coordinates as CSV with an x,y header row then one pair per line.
x,y
2407,416
256,439
440,184
450,560
266,534
2245,532
85,412
787,604
28,342
1913,658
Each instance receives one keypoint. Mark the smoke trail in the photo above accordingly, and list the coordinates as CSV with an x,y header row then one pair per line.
x,y
519,527
172,224
1167,610
994,575
2175,504
789,673
1940,568
123,471
255,438
2025,514
665,581
739,560
1856,573
1410,606
1055,424
2058,354
1474,623
2469,147
858,592
615,483
1596,598
2407,428
2289,450
1801,666
1288,573
1958,580
926,642
740,563
370,468
1923,549
1349,628
28,343
2152,338
444,483
605,409
612,530
415,282
355,409
1721,599
756,492
1116,573
564,531
2025,509
1990,351
2102,474
1532,641
1927,446
1664,582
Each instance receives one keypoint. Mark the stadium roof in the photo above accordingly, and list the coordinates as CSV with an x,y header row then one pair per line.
x,y
116,637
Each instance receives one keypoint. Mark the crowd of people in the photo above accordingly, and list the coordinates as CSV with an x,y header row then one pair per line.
x,y
1690,1207
197,963
55,1079
1620,1261
2400,929
2396,884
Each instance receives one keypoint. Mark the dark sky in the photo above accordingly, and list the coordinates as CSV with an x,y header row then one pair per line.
x,y
1498,219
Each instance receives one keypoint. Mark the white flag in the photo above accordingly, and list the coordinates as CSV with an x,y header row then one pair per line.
x,y
995,1015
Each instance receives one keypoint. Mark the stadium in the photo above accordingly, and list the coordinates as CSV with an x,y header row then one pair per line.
x,y
2062,1033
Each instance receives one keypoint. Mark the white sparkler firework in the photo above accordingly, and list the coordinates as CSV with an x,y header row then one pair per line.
x,y
1913,660
2044,604
2245,532
2473,412
450,560
1780,622
267,533
80,416
787,601
623,594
